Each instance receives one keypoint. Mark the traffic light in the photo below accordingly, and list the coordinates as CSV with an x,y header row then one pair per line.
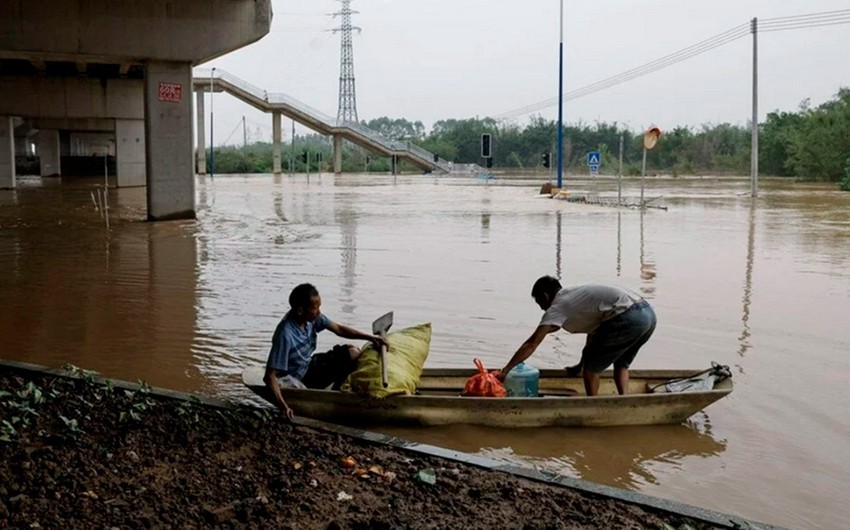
x,y
546,162
368,160
486,151
304,157
490,162
436,157
319,158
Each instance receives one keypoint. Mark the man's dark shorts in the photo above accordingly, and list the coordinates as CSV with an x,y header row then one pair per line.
x,y
617,341
329,368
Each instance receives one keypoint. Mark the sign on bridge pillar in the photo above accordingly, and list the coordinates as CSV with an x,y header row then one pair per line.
x,y
168,141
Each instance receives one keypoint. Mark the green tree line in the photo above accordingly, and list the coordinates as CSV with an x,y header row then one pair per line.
x,y
811,143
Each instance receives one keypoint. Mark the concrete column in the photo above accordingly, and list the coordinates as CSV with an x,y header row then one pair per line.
x,y
337,154
168,141
7,152
201,135
130,152
49,153
276,142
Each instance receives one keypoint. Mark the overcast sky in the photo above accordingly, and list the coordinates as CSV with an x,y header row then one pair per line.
x,y
438,59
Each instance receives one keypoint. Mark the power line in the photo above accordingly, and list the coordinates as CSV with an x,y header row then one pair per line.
x,y
231,133
831,20
810,15
810,20
668,60
784,28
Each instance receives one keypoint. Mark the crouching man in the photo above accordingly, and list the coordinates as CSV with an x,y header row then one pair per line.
x,y
292,362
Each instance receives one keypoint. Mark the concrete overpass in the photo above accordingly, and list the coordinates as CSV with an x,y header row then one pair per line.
x,y
206,80
118,66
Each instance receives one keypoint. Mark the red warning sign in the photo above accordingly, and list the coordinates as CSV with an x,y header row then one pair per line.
x,y
172,92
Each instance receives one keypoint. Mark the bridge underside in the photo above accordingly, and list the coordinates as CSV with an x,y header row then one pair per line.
x,y
95,68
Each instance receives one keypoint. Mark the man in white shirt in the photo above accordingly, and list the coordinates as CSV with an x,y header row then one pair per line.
x,y
617,323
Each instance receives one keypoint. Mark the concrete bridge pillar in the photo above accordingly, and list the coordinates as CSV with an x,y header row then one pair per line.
x,y
49,153
168,141
201,150
7,152
130,152
337,154
276,142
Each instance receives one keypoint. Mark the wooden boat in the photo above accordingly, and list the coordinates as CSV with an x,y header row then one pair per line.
x,y
562,402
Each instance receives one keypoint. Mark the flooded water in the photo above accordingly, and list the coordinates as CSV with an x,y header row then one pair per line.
x,y
760,285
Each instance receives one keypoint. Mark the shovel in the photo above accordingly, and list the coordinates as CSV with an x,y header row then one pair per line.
x,y
380,328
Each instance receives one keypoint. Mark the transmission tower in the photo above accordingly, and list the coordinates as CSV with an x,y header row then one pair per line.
x,y
347,97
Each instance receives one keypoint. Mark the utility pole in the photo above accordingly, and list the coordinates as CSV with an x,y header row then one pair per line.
x,y
754,155
292,151
244,133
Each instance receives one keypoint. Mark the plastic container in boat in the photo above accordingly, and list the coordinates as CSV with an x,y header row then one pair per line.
x,y
522,381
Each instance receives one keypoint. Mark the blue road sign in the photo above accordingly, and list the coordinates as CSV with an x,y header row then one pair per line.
x,y
594,169
594,159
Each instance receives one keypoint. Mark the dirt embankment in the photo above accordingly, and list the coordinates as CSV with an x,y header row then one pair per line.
x,y
76,454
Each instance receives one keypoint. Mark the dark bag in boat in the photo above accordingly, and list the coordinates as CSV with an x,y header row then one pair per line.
x,y
483,384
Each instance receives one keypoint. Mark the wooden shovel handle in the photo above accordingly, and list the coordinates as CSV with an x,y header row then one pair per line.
x,y
384,365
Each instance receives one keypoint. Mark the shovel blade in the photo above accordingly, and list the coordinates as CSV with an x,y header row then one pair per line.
x,y
382,325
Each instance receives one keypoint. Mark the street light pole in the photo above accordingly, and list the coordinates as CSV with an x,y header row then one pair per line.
x,y
212,154
561,101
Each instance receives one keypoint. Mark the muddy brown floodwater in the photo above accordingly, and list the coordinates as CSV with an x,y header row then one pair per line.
x,y
760,285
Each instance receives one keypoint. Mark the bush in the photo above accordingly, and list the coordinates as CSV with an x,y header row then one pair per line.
x,y
845,182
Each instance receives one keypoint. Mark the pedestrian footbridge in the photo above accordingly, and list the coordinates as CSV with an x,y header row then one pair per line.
x,y
205,80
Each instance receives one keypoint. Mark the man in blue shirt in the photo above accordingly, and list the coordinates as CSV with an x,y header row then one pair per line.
x,y
291,360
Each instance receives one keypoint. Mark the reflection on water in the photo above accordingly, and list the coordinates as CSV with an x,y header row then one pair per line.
x,y
120,301
619,243
187,305
647,265
625,457
744,338
558,217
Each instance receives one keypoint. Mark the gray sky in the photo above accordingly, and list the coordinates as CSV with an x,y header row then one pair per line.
x,y
464,58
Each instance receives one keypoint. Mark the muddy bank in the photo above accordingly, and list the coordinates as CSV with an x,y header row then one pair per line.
x,y
77,454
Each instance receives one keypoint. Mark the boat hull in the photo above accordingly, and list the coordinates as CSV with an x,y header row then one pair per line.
x,y
561,405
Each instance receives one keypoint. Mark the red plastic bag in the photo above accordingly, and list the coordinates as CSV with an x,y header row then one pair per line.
x,y
484,384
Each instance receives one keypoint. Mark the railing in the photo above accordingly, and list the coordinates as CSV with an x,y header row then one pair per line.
x,y
283,99
242,85
278,99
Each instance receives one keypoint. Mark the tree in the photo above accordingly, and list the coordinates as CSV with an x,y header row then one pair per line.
x,y
820,145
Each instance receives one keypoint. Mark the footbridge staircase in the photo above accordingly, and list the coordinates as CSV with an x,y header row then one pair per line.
x,y
358,134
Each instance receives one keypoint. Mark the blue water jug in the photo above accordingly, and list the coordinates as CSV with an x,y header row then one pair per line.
x,y
522,381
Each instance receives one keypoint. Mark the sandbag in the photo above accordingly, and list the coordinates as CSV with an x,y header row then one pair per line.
x,y
408,349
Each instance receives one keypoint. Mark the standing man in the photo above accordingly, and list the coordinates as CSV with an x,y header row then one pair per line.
x,y
617,323
291,361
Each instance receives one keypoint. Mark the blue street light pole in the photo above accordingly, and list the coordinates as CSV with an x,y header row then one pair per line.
x,y
561,101
212,154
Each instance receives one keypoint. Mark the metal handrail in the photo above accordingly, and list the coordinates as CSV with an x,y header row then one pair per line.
x,y
277,98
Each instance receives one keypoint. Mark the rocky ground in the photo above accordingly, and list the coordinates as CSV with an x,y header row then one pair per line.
x,y
77,454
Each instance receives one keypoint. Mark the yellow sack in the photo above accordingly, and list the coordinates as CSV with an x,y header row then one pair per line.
x,y
408,349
